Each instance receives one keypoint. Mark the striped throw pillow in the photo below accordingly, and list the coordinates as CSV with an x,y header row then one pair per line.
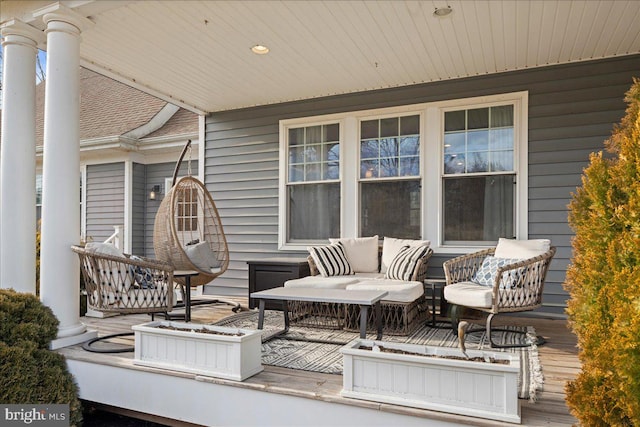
x,y
331,260
405,262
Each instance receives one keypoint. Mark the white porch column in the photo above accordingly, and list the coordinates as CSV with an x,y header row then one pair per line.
x,y
59,266
18,157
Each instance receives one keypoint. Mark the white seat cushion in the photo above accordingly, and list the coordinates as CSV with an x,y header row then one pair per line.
x,y
362,253
521,249
332,282
469,294
368,276
399,291
391,246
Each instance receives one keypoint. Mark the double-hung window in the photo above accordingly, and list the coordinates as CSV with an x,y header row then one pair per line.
x,y
453,172
479,177
313,182
390,177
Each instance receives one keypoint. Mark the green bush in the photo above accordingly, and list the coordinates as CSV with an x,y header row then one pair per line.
x,y
24,318
29,372
604,279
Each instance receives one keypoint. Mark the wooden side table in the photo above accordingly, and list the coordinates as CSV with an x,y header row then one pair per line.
x,y
271,273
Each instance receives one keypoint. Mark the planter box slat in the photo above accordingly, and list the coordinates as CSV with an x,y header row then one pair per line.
x,y
486,390
222,356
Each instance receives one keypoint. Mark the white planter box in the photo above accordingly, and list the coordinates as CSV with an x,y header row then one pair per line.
x,y
485,390
222,356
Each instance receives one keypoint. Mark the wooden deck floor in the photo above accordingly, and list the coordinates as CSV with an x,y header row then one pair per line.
x,y
558,358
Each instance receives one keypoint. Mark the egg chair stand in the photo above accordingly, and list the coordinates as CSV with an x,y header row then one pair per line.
x,y
188,235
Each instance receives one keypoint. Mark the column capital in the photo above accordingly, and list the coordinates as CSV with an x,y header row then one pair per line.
x,y
15,27
61,13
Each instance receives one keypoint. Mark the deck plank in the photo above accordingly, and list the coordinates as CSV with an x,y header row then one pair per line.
x,y
558,357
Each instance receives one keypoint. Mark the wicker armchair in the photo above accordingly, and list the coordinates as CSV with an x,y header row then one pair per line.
x,y
517,287
124,285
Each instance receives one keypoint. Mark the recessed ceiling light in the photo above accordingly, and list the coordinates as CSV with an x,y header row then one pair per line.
x,y
260,49
442,11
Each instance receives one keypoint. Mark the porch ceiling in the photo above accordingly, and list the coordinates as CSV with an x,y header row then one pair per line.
x,y
197,53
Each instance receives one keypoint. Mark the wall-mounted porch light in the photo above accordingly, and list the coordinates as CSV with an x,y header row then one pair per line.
x,y
155,190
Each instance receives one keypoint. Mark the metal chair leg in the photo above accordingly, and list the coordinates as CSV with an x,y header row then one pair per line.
x,y
495,345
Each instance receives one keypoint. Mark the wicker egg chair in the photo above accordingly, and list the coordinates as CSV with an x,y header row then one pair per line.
x,y
188,235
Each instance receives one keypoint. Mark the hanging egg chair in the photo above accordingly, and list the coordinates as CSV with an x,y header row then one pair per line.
x,y
188,233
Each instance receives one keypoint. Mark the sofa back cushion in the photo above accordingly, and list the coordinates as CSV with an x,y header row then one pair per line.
x,y
392,246
330,260
362,253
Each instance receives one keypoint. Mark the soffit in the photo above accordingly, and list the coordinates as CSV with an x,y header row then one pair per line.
x,y
197,53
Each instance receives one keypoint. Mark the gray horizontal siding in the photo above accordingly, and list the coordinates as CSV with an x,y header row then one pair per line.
x,y
572,109
105,200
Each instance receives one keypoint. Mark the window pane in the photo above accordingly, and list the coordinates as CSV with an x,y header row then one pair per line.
x,y
454,163
409,146
477,162
478,140
331,133
369,149
311,153
296,173
314,211
296,136
454,120
389,147
478,209
410,166
330,152
369,169
410,125
478,118
502,161
389,167
312,172
502,116
390,209
331,170
389,127
500,139
369,129
454,142
314,135
296,154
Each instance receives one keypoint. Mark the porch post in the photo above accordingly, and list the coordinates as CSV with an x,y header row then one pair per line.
x,y
18,157
59,266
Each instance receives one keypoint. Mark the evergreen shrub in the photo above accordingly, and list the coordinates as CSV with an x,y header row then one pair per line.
x,y
30,373
603,279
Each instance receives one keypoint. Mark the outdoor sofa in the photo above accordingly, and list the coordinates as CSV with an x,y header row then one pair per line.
x,y
398,267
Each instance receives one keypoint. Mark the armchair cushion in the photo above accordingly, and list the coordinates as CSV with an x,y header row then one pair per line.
x,y
362,253
330,260
486,274
405,262
521,249
391,246
469,294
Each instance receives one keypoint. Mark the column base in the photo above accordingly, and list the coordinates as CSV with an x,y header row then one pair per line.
x,y
99,314
72,340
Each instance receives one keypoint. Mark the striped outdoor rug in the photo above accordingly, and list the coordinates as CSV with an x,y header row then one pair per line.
x,y
316,350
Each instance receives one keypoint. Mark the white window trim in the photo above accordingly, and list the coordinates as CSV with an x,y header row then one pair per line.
x,y
431,171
